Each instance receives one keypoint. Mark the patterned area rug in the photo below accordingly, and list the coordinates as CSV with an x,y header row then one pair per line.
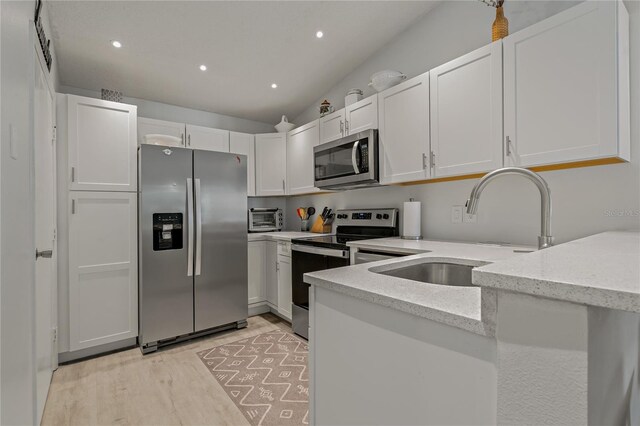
x,y
265,376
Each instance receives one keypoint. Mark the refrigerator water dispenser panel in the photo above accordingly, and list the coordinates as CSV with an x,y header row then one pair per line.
x,y
167,231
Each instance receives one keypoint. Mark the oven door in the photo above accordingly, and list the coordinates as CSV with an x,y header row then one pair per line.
x,y
350,161
310,259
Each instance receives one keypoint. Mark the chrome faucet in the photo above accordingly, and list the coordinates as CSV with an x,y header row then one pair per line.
x,y
545,239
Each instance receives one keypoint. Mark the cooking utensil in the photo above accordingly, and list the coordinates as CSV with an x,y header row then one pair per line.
x,y
324,212
311,211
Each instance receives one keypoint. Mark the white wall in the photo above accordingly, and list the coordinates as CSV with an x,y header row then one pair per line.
x,y
509,211
160,111
17,375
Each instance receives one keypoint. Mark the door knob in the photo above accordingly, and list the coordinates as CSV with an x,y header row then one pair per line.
x,y
47,254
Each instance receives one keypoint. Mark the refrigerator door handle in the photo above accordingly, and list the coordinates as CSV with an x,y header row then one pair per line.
x,y
190,225
198,229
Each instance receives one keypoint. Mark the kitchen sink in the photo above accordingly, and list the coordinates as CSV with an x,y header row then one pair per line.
x,y
443,273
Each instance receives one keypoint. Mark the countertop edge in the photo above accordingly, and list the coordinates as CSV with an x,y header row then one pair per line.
x,y
464,323
562,291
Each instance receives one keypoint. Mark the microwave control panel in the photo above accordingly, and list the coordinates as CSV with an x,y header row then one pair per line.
x,y
167,231
364,156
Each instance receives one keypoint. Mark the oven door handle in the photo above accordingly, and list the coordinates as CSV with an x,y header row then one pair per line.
x,y
354,155
344,254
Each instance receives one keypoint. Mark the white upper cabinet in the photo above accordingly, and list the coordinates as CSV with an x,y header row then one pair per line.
x,y
300,172
362,115
332,126
403,120
101,145
243,143
466,113
159,132
271,164
207,139
566,87
103,268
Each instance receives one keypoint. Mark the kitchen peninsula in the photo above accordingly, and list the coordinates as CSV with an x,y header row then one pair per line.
x,y
546,337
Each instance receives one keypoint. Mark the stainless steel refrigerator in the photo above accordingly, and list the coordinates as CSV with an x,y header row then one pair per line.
x,y
192,243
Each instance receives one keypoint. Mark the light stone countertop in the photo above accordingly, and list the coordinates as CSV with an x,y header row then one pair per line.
x,y
461,307
601,270
280,235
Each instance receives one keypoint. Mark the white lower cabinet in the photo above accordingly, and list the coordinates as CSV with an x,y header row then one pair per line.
x,y
257,271
272,273
103,268
284,286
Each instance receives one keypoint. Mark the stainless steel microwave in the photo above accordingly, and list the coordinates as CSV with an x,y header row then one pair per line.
x,y
265,219
349,162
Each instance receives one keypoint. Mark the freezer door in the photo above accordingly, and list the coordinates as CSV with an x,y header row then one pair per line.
x,y
221,282
166,289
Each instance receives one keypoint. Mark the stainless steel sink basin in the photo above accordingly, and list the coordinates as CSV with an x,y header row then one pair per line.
x,y
435,273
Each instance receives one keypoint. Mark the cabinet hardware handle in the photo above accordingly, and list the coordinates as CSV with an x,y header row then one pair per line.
x,y
346,126
73,174
189,140
433,159
182,138
341,127
508,146
283,186
73,206
424,160
47,254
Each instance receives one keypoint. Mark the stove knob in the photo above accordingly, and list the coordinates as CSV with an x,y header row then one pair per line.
x,y
378,216
385,216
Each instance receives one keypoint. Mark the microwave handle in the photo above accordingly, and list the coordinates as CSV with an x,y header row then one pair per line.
x,y
354,155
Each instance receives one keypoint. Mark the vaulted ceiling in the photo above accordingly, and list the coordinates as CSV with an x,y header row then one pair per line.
x,y
246,47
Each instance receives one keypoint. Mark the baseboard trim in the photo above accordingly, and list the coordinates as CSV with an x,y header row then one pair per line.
x,y
74,356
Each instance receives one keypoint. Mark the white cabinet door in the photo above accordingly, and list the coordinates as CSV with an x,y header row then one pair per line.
x,y
565,79
271,164
403,122
257,271
101,145
272,273
103,268
300,172
243,143
159,132
207,139
332,126
362,115
284,286
466,113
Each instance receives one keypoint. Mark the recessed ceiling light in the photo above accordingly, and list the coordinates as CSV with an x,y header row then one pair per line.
x,y
274,86
116,43
203,67
319,34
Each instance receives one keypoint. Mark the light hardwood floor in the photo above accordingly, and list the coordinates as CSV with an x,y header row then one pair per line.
x,y
168,387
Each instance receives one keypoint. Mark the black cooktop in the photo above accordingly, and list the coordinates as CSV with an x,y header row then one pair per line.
x,y
333,241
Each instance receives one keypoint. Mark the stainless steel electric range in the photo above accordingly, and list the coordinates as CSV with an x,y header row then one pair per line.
x,y
331,251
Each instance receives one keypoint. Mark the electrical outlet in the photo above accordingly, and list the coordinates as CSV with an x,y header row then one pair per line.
x,y
469,218
456,214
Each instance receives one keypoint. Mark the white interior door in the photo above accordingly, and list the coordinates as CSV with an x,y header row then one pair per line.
x,y
45,239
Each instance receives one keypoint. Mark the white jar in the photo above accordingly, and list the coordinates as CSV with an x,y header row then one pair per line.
x,y
353,96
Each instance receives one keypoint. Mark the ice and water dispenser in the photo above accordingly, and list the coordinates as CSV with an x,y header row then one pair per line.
x,y
167,231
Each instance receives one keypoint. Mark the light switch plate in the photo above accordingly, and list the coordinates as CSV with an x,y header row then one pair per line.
x,y
456,214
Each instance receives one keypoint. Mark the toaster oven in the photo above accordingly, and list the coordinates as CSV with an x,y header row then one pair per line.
x,y
265,219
